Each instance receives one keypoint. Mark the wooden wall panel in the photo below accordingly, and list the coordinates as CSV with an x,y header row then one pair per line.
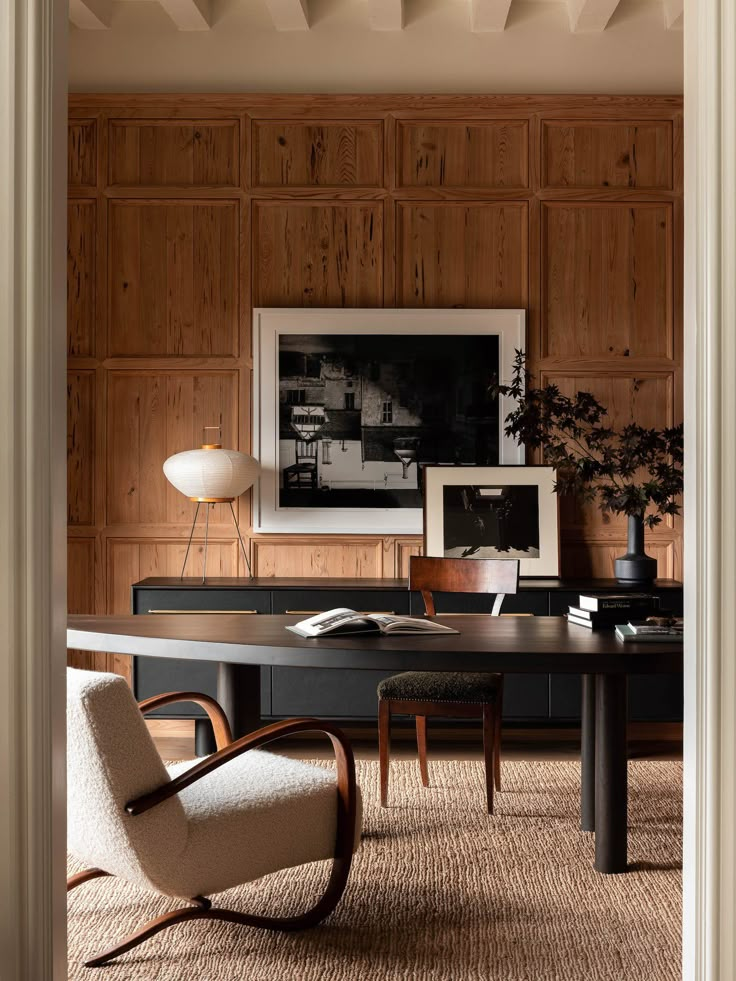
x,y
173,278
151,415
168,153
595,559
607,153
185,212
318,255
481,154
318,557
80,577
82,153
607,280
80,447
317,154
471,255
81,252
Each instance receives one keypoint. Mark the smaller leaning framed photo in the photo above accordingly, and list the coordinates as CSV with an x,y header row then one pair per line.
x,y
499,512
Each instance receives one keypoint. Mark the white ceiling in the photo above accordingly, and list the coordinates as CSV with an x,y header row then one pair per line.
x,y
482,16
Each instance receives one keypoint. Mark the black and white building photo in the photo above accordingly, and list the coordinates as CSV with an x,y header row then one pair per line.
x,y
360,415
486,522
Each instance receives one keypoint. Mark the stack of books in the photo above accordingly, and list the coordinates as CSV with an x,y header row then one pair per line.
x,y
612,609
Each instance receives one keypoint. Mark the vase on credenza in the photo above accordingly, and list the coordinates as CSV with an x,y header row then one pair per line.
x,y
635,567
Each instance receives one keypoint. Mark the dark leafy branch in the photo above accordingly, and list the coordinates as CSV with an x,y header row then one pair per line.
x,y
631,470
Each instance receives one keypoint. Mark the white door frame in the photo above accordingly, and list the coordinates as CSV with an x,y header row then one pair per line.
x,y
33,40
709,926
32,488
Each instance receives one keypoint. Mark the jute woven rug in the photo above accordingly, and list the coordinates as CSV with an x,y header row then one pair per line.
x,y
439,891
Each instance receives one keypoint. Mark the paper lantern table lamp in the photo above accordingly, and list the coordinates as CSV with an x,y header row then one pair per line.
x,y
209,476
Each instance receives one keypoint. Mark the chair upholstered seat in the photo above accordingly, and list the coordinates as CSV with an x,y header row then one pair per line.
x,y
260,813
442,686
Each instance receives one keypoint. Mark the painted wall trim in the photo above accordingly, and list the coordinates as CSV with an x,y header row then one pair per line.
x,y
710,539
32,488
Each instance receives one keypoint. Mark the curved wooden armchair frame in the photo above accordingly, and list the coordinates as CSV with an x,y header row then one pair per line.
x,y
201,907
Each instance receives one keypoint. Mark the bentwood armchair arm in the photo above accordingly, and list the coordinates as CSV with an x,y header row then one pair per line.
x,y
278,730
215,712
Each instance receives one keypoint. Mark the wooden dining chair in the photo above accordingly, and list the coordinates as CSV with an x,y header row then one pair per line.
x,y
456,694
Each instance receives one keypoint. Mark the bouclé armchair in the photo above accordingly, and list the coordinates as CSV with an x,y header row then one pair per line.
x,y
186,830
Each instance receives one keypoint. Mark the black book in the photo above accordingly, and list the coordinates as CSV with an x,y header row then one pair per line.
x,y
606,618
623,602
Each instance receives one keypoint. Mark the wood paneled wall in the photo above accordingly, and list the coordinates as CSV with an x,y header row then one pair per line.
x,y
187,211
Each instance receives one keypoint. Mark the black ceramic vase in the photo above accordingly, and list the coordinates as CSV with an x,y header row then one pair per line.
x,y
636,567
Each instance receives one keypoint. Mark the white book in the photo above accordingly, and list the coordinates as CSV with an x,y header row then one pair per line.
x,y
344,621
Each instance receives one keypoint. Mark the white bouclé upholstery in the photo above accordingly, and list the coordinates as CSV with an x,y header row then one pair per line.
x,y
256,814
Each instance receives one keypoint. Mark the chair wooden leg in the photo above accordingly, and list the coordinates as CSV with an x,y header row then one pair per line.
x,y
497,738
202,910
76,880
384,746
489,738
421,723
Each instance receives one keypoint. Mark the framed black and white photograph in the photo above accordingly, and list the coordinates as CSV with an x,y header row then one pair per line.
x,y
493,513
351,406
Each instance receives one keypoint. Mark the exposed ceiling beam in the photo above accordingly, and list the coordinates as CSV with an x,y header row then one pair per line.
x,y
590,15
386,15
489,15
673,14
289,15
189,15
90,15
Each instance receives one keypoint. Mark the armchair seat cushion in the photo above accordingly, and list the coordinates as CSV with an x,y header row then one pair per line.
x,y
441,686
256,814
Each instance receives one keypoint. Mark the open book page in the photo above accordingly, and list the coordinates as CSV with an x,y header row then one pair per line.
x,y
345,621
340,620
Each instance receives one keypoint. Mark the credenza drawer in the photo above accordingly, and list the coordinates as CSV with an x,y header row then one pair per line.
x,y
191,600
307,602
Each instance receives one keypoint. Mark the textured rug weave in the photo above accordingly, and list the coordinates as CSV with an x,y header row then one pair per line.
x,y
439,891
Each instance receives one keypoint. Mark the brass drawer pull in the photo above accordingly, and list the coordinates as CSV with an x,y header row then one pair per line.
x,y
362,613
195,612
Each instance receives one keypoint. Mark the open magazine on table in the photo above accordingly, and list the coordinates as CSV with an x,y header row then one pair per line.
x,y
344,621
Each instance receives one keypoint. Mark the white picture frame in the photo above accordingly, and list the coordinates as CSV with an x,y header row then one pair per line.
x,y
463,522
270,325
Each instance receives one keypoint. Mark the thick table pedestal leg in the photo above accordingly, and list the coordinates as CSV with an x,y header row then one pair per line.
x,y
204,738
587,754
610,774
239,693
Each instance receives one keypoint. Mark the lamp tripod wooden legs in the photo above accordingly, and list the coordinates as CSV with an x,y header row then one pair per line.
x,y
490,712
202,909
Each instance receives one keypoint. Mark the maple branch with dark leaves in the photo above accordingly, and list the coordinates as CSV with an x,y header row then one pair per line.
x,y
632,470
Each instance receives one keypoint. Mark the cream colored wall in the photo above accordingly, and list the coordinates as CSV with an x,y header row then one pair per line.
x,y
436,52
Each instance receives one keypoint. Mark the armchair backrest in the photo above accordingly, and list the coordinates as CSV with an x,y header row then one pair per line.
x,y
111,759
493,576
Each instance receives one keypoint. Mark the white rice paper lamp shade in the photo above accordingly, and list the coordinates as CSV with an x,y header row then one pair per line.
x,y
211,474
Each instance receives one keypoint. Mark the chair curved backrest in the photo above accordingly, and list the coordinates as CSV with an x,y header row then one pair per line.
x,y
111,759
493,576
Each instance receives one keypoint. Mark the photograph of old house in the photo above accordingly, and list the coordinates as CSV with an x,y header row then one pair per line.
x,y
361,415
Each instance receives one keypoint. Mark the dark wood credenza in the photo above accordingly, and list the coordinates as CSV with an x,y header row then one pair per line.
x,y
350,696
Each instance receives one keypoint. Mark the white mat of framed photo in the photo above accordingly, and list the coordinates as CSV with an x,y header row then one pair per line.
x,y
493,512
318,456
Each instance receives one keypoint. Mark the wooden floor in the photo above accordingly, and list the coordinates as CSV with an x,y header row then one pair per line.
x,y
175,741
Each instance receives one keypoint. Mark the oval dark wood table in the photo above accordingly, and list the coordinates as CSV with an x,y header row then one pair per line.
x,y
240,645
